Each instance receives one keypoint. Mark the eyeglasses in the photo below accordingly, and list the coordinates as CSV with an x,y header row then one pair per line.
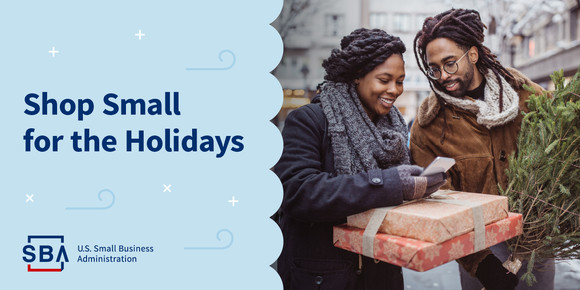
x,y
450,67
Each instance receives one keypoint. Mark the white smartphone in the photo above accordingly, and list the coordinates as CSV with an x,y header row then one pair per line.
x,y
440,164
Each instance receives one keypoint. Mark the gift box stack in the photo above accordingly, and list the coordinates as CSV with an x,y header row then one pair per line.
x,y
424,234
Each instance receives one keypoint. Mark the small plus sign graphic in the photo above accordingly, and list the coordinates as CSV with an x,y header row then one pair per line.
x,y
53,51
167,188
233,200
139,34
29,198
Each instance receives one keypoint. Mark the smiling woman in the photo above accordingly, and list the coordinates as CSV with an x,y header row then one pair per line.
x,y
379,88
346,153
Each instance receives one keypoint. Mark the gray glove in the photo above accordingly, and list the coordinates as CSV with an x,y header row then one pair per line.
x,y
415,186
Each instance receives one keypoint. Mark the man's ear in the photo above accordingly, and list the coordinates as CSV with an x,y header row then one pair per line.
x,y
473,54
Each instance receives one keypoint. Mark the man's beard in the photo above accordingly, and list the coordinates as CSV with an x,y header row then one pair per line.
x,y
463,83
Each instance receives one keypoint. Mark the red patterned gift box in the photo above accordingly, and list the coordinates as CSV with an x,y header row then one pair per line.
x,y
422,256
444,220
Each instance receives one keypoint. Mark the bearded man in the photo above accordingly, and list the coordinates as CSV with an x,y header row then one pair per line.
x,y
473,114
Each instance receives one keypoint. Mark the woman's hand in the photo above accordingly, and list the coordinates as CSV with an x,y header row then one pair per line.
x,y
415,186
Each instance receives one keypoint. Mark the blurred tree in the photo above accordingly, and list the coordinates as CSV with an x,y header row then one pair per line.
x,y
293,14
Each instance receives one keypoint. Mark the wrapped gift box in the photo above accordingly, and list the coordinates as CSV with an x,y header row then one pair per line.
x,y
420,255
445,218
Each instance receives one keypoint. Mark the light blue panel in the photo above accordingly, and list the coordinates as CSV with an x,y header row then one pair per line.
x,y
218,56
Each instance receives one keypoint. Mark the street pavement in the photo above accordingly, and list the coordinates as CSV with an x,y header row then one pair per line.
x,y
447,277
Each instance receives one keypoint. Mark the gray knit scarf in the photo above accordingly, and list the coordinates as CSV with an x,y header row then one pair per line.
x,y
359,144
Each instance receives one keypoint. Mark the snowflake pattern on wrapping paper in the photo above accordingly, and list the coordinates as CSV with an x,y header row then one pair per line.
x,y
341,236
355,240
407,251
490,238
417,263
434,253
393,253
380,250
456,250
346,239
503,228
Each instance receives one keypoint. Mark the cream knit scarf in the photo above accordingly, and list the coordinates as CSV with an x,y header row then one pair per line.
x,y
487,111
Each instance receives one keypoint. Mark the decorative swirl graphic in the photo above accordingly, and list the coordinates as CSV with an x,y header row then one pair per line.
x,y
221,60
97,208
219,239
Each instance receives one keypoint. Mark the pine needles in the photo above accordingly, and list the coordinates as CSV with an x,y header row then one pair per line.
x,y
544,177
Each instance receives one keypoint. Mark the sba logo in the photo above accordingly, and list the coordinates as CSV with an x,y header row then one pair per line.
x,y
49,254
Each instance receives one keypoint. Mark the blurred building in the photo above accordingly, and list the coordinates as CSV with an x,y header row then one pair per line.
x,y
308,39
540,37
534,36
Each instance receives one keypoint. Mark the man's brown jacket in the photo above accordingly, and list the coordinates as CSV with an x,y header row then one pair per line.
x,y
481,154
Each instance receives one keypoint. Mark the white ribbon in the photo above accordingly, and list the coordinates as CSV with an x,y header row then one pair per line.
x,y
372,228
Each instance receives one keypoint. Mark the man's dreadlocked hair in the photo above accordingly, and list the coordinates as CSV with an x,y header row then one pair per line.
x,y
464,27
360,52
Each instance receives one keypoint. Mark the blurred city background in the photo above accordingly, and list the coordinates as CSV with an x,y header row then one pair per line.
x,y
536,37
